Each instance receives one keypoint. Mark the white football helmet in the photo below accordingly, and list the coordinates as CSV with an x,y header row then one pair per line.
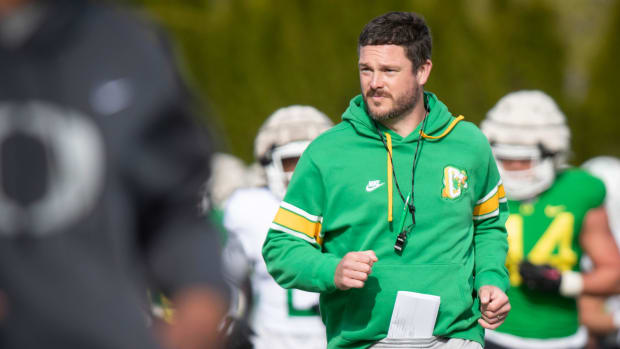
x,y
284,135
607,168
528,125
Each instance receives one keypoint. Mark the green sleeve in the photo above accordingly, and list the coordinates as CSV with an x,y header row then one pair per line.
x,y
490,236
293,247
594,190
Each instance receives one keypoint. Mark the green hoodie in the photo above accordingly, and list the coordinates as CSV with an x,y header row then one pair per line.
x,y
339,200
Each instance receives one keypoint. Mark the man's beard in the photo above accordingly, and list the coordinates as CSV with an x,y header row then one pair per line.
x,y
402,105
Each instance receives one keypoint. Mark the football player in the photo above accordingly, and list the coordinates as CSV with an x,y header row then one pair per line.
x,y
556,213
280,318
228,174
602,315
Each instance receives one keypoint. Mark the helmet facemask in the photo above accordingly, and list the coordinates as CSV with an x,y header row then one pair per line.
x,y
278,172
527,182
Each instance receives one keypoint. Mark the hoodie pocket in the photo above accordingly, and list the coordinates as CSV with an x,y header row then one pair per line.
x,y
368,310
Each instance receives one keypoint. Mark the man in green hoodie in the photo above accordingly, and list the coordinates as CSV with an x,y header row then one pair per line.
x,y
349,209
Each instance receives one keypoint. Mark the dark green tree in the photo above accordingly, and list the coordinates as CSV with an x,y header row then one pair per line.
x,y
598,123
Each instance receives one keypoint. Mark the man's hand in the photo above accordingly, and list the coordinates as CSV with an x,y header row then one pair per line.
x,y
353,269
494,307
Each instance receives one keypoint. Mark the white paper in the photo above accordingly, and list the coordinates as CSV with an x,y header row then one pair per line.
x,y
414,315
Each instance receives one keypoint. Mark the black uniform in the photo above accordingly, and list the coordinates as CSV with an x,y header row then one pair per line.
x,y
100,168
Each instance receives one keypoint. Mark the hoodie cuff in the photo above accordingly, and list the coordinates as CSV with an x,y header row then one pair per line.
x,y
491,279
324,273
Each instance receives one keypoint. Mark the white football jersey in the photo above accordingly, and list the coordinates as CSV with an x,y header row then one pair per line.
x,y
278,314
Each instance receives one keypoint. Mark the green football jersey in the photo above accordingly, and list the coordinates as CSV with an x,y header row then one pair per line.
x,y
546,231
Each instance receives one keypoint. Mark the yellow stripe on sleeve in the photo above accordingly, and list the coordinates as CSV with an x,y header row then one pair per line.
x,y
500,190
298,223
488,206
319,239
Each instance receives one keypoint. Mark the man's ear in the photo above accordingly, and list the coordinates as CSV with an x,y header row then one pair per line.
x,y
423,72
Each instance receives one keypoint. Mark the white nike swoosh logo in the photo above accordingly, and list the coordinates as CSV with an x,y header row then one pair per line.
x,y
372,186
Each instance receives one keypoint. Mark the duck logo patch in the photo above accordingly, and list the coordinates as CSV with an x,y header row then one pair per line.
x,y
454,182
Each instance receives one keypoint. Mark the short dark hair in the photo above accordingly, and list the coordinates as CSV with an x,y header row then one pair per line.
x,y
405,29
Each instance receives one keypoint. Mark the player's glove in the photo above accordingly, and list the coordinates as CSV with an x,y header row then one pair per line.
x,y
545,278
542,278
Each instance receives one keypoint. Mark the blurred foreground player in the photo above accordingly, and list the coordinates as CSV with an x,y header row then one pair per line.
x,y
280,318
101,166
556,212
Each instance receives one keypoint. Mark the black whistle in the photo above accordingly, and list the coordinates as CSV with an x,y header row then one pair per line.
x,y
400,242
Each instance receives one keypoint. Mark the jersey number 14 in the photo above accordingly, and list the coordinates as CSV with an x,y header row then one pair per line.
x,y
554,247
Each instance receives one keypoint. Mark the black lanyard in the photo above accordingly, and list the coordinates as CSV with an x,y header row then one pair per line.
x,y
402,236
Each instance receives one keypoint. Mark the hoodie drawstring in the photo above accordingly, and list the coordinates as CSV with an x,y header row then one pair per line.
x,y
389,174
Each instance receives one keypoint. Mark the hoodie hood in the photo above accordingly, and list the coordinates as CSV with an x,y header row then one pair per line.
x,y
439,120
